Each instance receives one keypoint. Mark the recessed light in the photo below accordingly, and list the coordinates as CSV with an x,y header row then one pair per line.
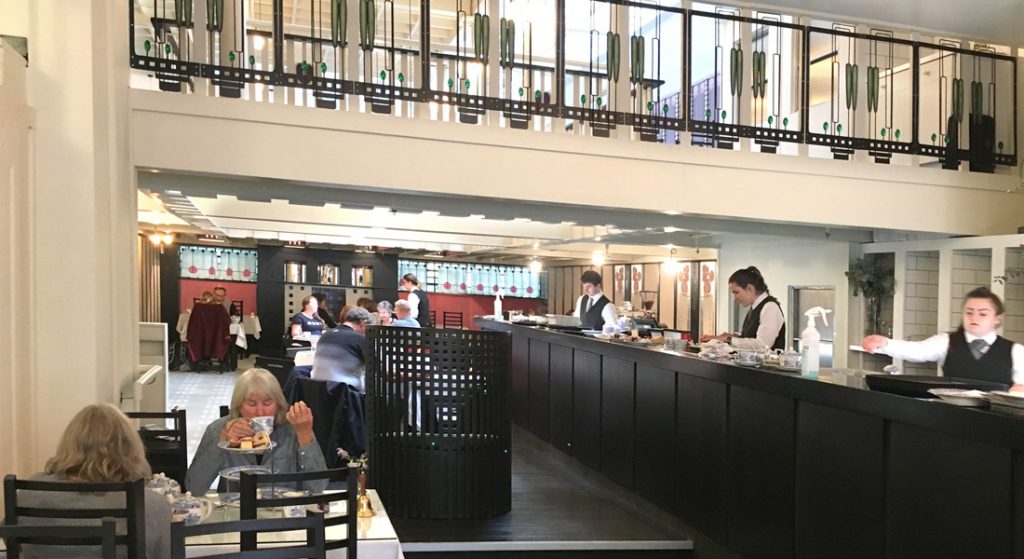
x,y
671,212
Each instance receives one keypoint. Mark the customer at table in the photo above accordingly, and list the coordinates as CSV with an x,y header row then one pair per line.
x,y
99,445
323,313
765,326
340,360
418,300
592,308
220,296
403,315
384,314
258,394
974,350
307,323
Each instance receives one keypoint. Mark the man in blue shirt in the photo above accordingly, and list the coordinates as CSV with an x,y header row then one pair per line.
x,y
403,310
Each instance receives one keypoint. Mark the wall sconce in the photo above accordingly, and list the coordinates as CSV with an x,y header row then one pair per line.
x,y
671,264
600,257
535,266
161,240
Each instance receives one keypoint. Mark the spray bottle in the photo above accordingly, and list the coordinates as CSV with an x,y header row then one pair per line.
x,y
497,306
810,339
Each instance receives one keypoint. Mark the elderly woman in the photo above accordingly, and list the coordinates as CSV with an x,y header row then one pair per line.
x,y
384,310
257,394
99,445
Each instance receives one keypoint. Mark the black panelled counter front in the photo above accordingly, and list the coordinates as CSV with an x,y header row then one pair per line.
x,y
775,465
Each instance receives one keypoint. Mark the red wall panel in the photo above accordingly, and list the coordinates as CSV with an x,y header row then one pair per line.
x,y
190,289
474,305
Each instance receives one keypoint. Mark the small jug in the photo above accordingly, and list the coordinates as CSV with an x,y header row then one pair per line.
x,y
790,359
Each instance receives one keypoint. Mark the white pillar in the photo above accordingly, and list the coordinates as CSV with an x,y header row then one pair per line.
x,y
83,223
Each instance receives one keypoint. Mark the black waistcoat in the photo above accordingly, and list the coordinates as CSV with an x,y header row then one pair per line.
x,y
996,365
424,309
753,322
592,319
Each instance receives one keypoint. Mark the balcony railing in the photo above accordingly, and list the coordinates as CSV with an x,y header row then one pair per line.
x,y
622,68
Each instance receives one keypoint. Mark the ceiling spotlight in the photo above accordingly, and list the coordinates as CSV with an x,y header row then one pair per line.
x,y
536,245
598,258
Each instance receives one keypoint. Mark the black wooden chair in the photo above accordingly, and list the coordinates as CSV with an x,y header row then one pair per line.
x,y
452,319
166,449
104,535
133,511
313,524
251,502
433,318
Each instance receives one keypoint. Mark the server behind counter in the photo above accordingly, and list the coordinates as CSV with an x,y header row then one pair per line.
x,y
592,308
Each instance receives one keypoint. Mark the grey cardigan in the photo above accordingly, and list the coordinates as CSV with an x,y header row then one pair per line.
x,y
288,457
158,520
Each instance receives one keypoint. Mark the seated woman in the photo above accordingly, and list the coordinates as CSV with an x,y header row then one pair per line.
x,y
307,323
99,445
257,394
384,314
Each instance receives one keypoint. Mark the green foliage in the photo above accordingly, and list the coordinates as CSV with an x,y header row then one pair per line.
x,y
872,276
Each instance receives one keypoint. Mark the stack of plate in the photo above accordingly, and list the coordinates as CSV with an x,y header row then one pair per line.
x,y
1007,401
960,397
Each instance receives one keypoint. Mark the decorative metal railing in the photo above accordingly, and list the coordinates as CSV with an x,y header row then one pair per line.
x,y
652,71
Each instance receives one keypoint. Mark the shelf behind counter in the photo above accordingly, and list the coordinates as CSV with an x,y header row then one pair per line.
x,y
769,464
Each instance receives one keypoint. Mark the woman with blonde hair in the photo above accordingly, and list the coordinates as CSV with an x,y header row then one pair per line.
x,y
258,394
99,445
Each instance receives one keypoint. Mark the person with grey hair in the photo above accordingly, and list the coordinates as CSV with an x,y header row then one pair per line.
x,y
384,310
339,360
403,315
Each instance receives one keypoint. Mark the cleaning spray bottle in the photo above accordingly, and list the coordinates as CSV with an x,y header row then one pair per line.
x,y
810,340
497,306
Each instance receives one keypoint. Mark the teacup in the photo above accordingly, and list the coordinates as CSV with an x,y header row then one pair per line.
x,y
293,511
190,510
264,423
791,360
749,357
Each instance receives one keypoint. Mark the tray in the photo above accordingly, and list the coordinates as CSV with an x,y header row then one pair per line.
x,y
917,386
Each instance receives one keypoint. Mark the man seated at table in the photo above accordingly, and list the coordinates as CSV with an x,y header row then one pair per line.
x,y
339,360
403,314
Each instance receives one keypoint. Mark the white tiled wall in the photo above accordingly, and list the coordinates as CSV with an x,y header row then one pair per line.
x,y
1013,321
921,304
971,269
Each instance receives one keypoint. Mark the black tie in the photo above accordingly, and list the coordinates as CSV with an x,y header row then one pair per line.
x,y
978,348
586,304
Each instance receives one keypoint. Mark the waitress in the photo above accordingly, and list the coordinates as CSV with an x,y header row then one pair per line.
x,y
973,351
307,324
765,326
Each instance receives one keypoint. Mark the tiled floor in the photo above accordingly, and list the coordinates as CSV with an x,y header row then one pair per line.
x,y
202,395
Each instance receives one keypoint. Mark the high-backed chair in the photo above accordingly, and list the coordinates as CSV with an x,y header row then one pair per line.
x,y
104,535
166,448
313,524
452,319
133,511
251,502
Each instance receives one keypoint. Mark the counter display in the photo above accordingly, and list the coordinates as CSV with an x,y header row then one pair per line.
x,y
770,464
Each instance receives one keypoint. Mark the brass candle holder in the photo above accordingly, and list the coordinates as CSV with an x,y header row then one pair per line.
x,y
363,509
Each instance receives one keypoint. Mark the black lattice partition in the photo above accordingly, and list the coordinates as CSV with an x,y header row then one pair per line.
x,y
439,421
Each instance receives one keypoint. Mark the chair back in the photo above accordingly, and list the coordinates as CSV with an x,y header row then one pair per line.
x,y
433,318
133,512
452,319
313,524
251,502
104,535
166,448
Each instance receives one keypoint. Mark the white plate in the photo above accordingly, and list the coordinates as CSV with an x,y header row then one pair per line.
x,y
1010,399
747,363
225,446
233,474
787,369
960,397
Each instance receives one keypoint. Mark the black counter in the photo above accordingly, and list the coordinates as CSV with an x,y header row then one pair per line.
x,y
770,464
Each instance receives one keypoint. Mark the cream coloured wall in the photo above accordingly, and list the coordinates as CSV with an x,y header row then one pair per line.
x,y
790,262
239,138
14,17
17,330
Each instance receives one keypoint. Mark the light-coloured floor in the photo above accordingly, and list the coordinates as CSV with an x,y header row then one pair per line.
x,y
202,395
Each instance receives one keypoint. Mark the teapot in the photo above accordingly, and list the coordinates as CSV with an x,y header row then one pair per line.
x,y
190,510
165,486
790,359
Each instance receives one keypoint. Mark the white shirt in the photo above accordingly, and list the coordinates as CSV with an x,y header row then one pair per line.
x,y
414,302
934,350
608,313
771,324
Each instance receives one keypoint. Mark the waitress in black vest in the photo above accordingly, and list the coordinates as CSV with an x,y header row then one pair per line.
x,y
972,351
592,308
418,300
765,326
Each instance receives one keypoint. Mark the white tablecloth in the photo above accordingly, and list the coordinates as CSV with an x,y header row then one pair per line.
x,y
377,537
250,325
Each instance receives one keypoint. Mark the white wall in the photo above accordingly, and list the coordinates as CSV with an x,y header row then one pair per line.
x,y
14,17
16,286
786,262
247,139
